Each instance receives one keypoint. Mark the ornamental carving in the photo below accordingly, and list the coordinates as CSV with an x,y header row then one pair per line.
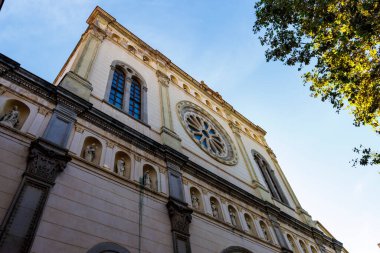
x,y
45,161
180,216
207,133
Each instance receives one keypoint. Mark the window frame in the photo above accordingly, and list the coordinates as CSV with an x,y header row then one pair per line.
x,y
130,75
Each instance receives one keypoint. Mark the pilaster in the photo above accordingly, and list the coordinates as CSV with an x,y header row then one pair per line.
x,y
45,162
263,193
168,136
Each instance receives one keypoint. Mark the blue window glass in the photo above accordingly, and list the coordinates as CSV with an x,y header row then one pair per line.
x,y
117,88
135,99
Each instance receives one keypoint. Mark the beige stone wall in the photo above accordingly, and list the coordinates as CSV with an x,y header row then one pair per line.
x,y
85,208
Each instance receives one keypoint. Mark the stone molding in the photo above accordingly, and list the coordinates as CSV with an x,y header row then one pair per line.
x,y
180,216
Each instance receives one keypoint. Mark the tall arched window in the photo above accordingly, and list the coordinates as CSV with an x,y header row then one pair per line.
x,y
127,91
270,178
117,88
135,99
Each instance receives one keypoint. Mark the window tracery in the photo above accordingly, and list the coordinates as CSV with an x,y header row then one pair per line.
x,y
207,133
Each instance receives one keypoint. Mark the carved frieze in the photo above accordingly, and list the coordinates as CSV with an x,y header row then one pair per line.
x,y
46,161
180,216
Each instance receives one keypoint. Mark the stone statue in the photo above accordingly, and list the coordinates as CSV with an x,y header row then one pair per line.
x,y
214,210
11,118
194,200
120,165
89,152
147,180
233,217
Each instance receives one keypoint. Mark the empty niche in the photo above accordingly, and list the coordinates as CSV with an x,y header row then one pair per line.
x,y
131,49
149,179
173,79
250,224
234,217
303,246
92,150
196,199
14,113
115,37
265,230
313,250
208,103
196,94
216,212
122,164
186,88
292,243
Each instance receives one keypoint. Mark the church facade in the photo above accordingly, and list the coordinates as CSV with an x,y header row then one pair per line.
x,y
125,152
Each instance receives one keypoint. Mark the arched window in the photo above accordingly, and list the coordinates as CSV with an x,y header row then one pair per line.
x,y
135,99
270,178
107,247
127,91
117,88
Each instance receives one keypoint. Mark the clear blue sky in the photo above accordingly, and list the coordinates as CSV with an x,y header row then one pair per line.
x,y
212,41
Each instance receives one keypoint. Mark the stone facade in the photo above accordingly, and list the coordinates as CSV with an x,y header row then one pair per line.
x,y
181,171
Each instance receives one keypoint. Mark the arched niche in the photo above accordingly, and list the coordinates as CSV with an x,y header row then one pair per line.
x,y
131,49
186,88
122,164
208,103
146,59
196,94
265,230
250,224
236,249
108,247
216,210
196,199
150,179
234,216
292,243
173,79
313,250
92,150
303,246
11,105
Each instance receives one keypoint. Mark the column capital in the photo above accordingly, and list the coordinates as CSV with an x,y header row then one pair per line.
x,y
163,79
180,217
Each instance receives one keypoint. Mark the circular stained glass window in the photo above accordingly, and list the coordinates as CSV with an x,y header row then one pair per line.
x,y
206,132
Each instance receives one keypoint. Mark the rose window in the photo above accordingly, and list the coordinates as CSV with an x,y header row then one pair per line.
x,y
207,132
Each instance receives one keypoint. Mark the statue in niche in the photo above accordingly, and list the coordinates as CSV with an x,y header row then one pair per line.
x,y
120,166
214,210
265,231
147,180
11,118
194,200
233,217
89,152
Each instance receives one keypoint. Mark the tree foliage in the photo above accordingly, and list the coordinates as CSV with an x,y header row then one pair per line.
x,y
340,39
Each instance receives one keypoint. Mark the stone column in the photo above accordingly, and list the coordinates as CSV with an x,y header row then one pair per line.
x,y
226,215
137,170
109,158
168,136
75,146
164,183
186,191
242,219
45,162
255,181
